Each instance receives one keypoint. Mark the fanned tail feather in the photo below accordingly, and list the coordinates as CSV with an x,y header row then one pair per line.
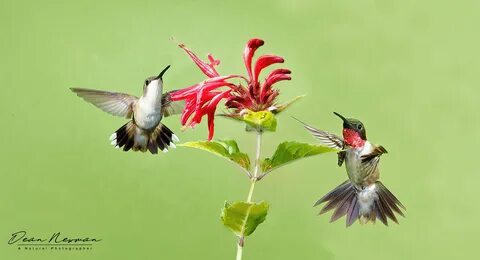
x,y
162,138
130,137
368,204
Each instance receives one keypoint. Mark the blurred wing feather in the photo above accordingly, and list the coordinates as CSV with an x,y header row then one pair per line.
x,y
330,140
117,104
170,107
370,161
376,153
341,157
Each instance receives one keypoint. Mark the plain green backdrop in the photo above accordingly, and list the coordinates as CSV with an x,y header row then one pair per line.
x,y
408,69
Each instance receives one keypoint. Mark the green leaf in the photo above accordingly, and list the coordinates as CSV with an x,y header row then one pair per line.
x,y
282,107
243,217
290,151
227,149
260,120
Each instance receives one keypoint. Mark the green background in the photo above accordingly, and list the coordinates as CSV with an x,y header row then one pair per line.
x,y
408,69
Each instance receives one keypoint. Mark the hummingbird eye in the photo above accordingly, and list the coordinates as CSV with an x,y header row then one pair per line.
x,y
146,82
359,127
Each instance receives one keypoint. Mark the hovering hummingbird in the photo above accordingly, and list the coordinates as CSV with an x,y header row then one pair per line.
x,y
144,131
363,196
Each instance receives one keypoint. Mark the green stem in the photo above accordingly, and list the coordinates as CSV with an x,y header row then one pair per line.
x,y
254,178
257,156
239,249
250,193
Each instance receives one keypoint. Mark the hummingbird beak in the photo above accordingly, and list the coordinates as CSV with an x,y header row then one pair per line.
x,y
345,121
163,72
343,118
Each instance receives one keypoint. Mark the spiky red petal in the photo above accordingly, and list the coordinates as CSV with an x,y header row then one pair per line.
x,y
250,48
207,68
265,61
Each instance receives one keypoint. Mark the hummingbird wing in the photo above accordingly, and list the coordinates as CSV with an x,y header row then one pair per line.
x,y
117,104
327,139
370,161
377,152
341,157
170,107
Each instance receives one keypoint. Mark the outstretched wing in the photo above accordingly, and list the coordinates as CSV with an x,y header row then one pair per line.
x,y
117,104
327,139
370,161
170,107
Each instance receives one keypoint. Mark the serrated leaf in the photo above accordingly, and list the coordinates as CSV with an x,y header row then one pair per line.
x,y
242,217
261,120
227,149
290,151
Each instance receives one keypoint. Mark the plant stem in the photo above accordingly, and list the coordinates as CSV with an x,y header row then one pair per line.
x,y
239,249
250,193
256,172
257,156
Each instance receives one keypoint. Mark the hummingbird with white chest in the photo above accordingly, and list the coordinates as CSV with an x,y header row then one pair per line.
x,y
362,196
144,131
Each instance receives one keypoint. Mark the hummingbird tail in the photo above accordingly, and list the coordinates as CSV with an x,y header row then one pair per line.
x,y
163,138
344,200
374,201
131,137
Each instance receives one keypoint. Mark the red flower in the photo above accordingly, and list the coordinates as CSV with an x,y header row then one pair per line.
x,y
203,98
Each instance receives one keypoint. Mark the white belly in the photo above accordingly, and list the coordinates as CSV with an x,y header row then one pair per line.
x,y
148,113
353,163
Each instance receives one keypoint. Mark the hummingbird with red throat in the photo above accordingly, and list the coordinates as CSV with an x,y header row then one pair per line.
x,y
362,196
144,131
